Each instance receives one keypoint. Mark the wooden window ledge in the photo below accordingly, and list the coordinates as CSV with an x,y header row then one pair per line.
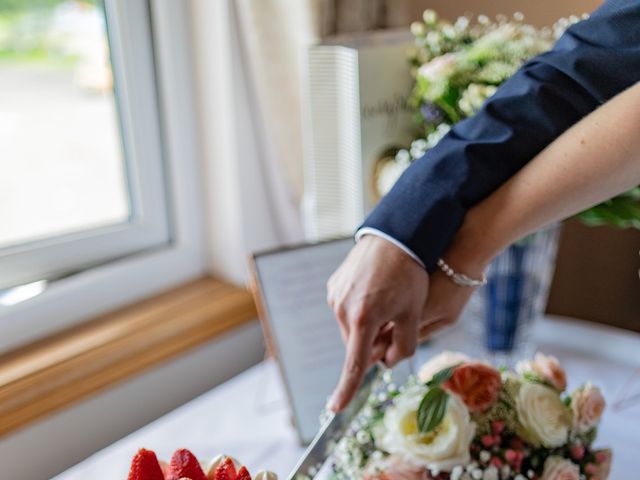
x,y
46,376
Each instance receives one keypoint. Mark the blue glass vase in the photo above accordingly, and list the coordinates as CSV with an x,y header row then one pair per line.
x,y
501,313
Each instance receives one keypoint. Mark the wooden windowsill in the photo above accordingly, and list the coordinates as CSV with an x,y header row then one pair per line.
x,y
53,373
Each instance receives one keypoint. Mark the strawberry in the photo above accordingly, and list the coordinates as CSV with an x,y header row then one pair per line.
x,y
243,474
145,466
226,470
185,464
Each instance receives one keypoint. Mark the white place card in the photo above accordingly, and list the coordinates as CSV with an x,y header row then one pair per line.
x,y
290,290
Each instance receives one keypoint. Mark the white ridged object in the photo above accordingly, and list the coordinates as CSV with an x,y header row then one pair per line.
x,y
355,110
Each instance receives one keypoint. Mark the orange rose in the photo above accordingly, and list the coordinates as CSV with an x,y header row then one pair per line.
x,y
477,384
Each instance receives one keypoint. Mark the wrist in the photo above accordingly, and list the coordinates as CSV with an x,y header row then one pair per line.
x,y
389,251
473,247
372,232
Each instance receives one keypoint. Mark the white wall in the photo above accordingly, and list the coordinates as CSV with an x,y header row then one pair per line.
x,y
58,442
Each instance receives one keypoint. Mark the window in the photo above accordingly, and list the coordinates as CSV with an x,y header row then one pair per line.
x,y
81,167
149,234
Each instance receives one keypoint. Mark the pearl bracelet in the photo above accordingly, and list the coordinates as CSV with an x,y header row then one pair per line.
x,y
460,278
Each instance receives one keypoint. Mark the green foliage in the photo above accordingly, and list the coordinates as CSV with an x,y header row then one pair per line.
x,y
26,35
25,5
432,409
622,211
442,376
531,377
458,66
433,406
589,437
503,410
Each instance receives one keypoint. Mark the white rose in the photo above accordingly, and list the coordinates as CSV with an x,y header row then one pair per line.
x,y
439,450
558,468
543,415
388,174
440,362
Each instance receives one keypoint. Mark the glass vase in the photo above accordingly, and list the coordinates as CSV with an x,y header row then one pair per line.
x,y
501,313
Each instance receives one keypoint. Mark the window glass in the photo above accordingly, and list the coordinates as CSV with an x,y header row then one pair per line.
x,y
62,166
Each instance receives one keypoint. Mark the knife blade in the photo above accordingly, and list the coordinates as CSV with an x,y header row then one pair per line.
x,y
333,429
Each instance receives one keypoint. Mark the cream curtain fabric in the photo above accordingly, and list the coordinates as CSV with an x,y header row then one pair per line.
x,y
273,35
248,55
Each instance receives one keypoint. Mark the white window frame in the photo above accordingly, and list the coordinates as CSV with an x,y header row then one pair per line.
x,y
104,287
148,226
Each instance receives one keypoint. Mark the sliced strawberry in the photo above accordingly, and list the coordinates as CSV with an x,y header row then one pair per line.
x,y
145,466
243,474
185,464
226,470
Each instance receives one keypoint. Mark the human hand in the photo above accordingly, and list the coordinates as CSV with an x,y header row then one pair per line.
x,y
447,299
378,296
444,305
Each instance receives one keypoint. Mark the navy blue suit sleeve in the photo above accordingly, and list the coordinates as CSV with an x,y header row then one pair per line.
x,y
593,61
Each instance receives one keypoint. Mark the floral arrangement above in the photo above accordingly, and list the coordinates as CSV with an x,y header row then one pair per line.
x,y
456,67
185,466
461,419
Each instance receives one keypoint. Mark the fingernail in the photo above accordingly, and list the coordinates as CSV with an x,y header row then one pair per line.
x,y
332,404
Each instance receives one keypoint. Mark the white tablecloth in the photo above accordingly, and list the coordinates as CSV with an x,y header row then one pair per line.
x,y
248,416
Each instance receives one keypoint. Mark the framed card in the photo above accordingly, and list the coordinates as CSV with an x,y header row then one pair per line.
x,y
289,286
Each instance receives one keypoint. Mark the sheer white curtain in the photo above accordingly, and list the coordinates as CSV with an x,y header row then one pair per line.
x,y
247,57
249,124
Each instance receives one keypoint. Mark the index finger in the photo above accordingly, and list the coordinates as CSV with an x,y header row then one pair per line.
x,y
356,362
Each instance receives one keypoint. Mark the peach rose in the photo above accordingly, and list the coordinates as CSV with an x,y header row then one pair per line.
x,y
587,404
547,368
441,361
477,384
394,468
558,468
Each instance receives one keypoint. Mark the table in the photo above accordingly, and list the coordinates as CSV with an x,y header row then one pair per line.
x,y
248,416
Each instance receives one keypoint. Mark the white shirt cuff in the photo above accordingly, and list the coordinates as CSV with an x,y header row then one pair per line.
x,y
374,231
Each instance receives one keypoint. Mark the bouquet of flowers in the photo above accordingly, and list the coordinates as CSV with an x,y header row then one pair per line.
x,y
456,67
461,419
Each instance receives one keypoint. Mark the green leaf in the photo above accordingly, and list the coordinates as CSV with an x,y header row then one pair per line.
x,y
622,211
442,376
432,409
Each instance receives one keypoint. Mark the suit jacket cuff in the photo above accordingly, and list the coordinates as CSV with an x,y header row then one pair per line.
x,y
378,233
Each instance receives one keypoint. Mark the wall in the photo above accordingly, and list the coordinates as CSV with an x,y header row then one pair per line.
x,y
539,12
56,443
597,276
357,15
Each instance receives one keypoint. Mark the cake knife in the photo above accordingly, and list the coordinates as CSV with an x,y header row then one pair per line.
x,y
332,430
